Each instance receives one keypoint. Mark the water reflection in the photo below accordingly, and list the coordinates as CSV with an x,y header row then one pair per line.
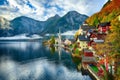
x,y
21,51
24,51
39,69
77,60
33,61
22,46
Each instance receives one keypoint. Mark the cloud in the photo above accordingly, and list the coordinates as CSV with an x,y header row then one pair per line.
x,y
43,9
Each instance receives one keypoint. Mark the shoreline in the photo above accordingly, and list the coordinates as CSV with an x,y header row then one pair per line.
x,y
88,71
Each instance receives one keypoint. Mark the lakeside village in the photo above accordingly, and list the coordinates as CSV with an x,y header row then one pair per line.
x,y
83,47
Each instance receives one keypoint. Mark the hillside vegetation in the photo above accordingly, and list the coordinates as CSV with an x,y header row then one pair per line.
x,y
110,13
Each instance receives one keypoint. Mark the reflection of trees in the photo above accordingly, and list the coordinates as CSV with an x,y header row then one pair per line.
x,y
77,62
77,55
52,41
76,52
49,42
52,49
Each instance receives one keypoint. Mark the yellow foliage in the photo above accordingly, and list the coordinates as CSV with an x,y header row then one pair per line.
x,y
79,32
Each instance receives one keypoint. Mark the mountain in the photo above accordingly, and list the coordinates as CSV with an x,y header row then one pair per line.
x,y
50,24
26,25
71,20
110,11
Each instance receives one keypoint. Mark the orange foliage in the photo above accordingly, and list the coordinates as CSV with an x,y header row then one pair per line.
x,y
109,11
114,4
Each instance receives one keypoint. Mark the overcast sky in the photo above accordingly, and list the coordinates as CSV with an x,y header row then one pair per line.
x,y
43,9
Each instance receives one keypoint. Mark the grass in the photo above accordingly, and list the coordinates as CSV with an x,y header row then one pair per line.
x,y
94,68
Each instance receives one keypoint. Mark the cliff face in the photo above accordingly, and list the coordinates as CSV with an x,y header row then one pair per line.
x,y
109,12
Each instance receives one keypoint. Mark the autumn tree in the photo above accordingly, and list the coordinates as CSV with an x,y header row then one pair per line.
x,y
115,30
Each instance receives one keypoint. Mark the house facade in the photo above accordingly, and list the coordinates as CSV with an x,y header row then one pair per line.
x,y
104,27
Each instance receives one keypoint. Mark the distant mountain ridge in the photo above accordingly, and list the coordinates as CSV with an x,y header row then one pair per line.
x,y
70,21
26,25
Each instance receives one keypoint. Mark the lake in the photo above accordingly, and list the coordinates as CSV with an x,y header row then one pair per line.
x,y
30,60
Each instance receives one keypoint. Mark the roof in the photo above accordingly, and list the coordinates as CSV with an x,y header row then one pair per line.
x,y
93,36
88,59
99,41
87,50
104,24
90,30
83,38
86,27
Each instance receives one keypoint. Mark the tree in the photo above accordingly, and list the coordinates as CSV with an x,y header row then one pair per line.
x,y
52,40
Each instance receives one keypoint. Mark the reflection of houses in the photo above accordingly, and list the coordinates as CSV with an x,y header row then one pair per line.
x,y
104,27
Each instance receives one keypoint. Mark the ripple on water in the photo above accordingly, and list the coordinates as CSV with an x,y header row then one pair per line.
x,y
40,69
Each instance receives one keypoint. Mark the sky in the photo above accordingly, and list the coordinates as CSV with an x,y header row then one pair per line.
x,y
43,9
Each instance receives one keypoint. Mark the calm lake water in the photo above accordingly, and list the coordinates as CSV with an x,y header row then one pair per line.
x,y
26,60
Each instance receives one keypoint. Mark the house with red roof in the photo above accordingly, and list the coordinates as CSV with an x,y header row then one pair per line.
x,y
104,27
88,57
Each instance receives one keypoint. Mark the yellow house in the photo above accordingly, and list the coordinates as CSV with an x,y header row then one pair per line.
x,y
82,40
